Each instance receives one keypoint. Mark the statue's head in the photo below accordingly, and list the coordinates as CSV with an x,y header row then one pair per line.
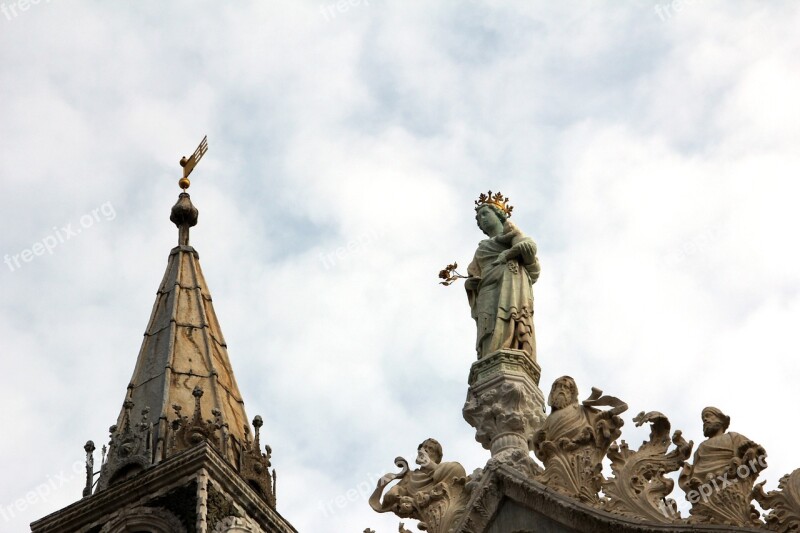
x,y
715,422
491,212
490,219
564,392
429,453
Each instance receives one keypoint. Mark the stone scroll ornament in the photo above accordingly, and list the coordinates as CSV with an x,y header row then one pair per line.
x,y
574,439
499,281
719,484
784,504
639,487
434,493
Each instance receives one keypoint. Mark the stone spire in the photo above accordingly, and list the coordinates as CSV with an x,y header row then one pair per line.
x,y
183,390
182,456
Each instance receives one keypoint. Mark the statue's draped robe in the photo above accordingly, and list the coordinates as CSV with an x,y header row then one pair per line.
x,y
715,455
502,302
573,422
571,452
418,481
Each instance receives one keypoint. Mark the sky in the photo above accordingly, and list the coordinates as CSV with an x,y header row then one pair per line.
x,y
648,147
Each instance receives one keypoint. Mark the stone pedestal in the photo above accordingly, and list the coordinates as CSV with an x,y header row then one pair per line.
x,y
504,403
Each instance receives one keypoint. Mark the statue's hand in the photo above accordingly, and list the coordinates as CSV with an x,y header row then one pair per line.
x,y
539,437
502,257
527,250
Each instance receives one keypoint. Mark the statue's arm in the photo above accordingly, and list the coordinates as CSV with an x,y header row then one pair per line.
x,y
684,478
375,498
473,280
525,249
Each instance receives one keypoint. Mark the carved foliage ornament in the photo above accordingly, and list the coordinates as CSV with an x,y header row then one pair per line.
x,y
784,503
255,464
639,487
507,408
130,446
188,432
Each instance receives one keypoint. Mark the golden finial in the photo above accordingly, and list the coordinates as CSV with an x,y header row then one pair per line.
x,y
189,164
497,200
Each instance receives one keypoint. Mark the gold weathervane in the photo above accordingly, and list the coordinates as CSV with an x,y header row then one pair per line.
x,y
189,164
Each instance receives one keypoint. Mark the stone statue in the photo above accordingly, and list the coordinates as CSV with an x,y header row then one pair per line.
x,y
575,438
433,493
719,483
500,279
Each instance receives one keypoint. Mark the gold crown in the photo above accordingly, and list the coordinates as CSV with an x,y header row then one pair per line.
x,y
497,200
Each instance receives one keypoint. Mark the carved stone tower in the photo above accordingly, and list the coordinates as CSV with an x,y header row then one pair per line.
x,y
182,456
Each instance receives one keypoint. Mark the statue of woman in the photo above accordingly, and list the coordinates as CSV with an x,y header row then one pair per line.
x,y
500,279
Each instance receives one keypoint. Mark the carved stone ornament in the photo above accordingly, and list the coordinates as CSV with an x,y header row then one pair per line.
x,y
504,403
236,524
434,493
130,447
784,504
188,432
575,438
255,464
639,487
155,519
218,507
719,484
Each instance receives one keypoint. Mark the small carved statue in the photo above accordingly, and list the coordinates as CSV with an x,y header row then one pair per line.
x,y
719,483
575,438
433,493
499,284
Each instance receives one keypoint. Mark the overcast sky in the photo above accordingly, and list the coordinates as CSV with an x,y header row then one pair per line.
x,y
650,149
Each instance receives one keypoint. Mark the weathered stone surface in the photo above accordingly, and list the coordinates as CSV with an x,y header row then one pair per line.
x,y
504,403
784,504
720,481
170,486
433,493
155,519
504,500
201,463
575,438
639,488
499,281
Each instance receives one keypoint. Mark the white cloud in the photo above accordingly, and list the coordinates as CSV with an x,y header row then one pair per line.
x,y
652,161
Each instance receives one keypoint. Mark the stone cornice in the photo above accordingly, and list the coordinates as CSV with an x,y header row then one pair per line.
x,y
501,481
172,472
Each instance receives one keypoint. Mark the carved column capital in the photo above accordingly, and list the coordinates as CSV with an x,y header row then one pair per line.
x,y
504,403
